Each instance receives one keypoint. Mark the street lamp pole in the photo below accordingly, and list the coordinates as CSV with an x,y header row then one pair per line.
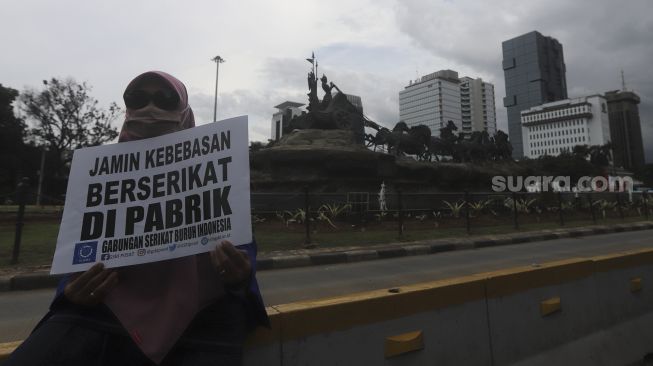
x,y
38,194
218,60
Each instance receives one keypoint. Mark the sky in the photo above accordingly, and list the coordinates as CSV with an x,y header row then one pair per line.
x,y
367,48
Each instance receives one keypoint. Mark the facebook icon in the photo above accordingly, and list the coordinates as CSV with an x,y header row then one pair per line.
x,y
85,252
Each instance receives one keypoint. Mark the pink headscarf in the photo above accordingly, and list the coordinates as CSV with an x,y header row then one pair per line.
x,y
156,302
151,121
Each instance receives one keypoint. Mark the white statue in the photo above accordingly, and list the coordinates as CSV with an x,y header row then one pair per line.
x,y
382,205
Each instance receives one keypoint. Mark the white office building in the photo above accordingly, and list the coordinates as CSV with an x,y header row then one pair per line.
x,y
432,100
285,112
552,128
442,96
478,112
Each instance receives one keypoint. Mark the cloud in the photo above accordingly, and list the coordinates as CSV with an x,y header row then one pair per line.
x,y
257,105
285,79
598,42
369,48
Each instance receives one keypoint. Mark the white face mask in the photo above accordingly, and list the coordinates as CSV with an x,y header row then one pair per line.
x,y
151,121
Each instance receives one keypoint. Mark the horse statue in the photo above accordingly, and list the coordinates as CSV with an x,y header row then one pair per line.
x,y
475,147
404,140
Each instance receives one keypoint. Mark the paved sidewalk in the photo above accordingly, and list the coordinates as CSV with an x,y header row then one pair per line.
x,y
40,278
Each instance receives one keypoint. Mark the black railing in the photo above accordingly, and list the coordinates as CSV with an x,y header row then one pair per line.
x,y
468,210
303,212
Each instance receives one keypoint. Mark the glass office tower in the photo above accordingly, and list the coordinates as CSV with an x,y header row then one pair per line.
x,y
625,129
534,71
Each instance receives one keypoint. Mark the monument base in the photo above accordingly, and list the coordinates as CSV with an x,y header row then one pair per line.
x,y
328,161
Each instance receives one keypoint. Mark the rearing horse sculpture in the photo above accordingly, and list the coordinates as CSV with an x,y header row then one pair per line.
x,y
405,140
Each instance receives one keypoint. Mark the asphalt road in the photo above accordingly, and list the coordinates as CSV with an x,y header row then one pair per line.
x,y
21,310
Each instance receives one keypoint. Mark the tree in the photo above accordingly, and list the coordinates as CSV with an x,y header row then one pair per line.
x,y
12,146
598,155
601,155
66,117
255,146
13,128
581,151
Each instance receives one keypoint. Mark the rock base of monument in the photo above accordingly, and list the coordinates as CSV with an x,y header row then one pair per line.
x,y
321,160
328,161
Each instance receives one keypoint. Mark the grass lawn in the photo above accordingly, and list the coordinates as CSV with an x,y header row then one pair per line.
x,y
39,237
37,244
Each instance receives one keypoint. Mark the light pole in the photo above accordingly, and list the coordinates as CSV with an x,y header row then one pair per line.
x,y
218,60
38,194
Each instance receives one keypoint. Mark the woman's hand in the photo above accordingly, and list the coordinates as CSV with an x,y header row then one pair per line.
x,y
90,288
232,265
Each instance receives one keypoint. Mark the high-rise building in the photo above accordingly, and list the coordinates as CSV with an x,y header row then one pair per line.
x,y
434,99
552,128
477,106
534,71
285,112
625,129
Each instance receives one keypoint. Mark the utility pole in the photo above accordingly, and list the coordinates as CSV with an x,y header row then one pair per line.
x,y
218,60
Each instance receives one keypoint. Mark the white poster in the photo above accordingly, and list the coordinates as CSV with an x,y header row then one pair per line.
x,y
155,199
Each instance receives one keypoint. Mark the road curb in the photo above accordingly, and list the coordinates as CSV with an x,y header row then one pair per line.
x,y
441,247
329,258
290,261
362,255
34,281
5,284
42,279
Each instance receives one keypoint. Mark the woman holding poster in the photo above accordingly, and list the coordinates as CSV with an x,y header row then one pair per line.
x,y
194,310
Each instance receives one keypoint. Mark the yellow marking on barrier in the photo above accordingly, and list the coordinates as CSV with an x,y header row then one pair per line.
x,y
636,284
7,348
263,335
628,259
507,282
403,343
550,306
306,318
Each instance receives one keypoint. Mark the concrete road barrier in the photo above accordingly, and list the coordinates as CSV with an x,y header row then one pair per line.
x,y
587,311
592,310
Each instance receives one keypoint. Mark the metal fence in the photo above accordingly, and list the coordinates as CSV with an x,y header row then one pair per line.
x,y
462,209
304,211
